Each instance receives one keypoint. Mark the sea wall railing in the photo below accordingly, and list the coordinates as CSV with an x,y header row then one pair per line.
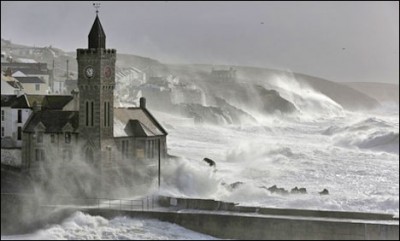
x,y
142,203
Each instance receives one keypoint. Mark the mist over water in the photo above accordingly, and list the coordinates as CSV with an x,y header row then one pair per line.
x,y
353,154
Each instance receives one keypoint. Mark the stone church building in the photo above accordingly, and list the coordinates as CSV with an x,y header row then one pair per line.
x,y
97,132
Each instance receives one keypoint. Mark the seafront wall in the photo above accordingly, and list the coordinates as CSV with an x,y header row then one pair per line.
x,y
213,205
230,221
240,226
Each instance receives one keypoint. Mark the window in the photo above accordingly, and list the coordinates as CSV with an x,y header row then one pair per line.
x,y
125,148
19,116
2,131
105,114
92,113
3,114
108,113
150,149
39,155
37,87
87,113
39,137
67,137
52,138
19,134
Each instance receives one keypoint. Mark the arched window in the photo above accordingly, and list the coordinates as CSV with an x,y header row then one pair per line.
x,y
87,113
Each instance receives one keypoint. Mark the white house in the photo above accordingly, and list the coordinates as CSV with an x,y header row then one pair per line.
x,y
10,86
15,111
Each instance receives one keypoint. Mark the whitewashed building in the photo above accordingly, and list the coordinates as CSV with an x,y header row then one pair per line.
x,y
15,111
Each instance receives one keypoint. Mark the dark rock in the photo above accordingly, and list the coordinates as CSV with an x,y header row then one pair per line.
x,y
280,190
324,192
209,161
235,184
272,188
303,190
294,190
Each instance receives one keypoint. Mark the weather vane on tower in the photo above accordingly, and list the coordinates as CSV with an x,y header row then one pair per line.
x,y
96,6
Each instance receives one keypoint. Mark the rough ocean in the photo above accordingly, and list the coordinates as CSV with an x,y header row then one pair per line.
x,y
355,155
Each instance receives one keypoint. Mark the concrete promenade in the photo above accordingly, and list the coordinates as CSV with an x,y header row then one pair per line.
x,y
229,221
216,218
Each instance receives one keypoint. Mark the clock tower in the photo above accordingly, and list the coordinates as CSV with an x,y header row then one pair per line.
x,y
96,82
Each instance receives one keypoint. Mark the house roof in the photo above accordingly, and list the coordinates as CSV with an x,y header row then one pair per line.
x,y
136,122
30,80
14,101
27,71
56,102
53,120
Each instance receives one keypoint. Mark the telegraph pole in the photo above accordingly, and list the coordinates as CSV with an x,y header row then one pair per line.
x,y
159,163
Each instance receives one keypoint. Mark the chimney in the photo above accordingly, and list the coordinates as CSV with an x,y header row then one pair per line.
x,y
8,72
142,102
36,107
67,69
75,94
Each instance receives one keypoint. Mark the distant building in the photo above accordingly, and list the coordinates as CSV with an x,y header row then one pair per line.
x,y
33,85
27,69
224,74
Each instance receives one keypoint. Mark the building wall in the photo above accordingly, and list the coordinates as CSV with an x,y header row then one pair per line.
x,y
56,150
59,87
7,89
30,88
11,123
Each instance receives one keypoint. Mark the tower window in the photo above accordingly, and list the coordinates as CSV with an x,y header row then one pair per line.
x,y
108,112
87,113
92,113
105,113
2,115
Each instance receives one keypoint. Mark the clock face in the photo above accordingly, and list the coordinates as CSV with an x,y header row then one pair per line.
x,y
107,71
89,72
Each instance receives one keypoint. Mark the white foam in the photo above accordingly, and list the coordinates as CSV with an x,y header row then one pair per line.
x,y
84,226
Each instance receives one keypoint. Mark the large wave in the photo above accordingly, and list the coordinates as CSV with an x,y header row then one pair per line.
x,y
306,99
371,133
85,226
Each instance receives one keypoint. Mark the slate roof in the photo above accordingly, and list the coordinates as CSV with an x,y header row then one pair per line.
x,y
27,71
14,101
53,102
136,122
15,84
53,120
30,80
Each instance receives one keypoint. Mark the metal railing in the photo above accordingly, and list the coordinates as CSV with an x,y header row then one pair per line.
x,y
143,204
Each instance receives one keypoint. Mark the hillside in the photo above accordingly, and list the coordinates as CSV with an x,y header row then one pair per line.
x,y
383,92
350,96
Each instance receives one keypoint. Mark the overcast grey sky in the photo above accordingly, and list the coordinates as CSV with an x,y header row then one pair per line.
x,y
340,41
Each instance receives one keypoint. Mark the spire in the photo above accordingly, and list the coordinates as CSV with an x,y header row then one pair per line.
x,y
97,37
